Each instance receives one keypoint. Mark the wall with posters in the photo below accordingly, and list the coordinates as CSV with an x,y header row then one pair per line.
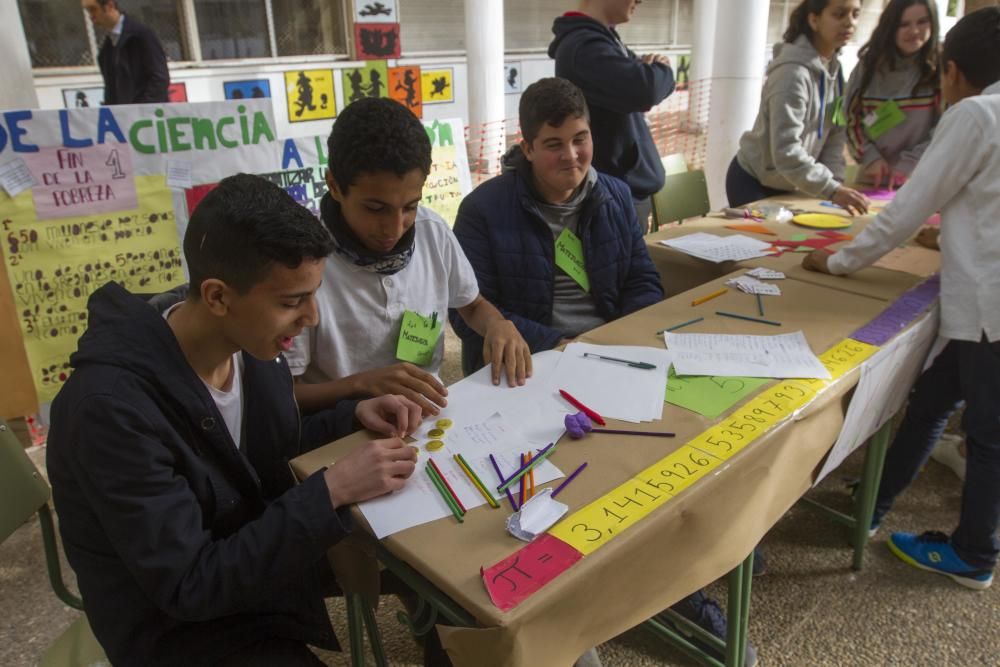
x,y
89,195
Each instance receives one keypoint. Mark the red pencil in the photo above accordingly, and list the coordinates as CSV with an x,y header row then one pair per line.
x,y
448,486
594,417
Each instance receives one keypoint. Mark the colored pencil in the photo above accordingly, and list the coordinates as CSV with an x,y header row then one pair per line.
x,y
539,457
594,417
748,318
682,324
476,482
708,297
444,493
524,480
444,480
531,480
760,305
510,496
658,434
569,479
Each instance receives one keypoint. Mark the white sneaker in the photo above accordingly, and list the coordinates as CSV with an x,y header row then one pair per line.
x,y
946,452
589,659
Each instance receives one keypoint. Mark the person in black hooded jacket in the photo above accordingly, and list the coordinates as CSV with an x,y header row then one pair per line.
x,y
619,87
169,446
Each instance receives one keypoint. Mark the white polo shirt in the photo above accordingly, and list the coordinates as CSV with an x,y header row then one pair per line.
x,y
360,311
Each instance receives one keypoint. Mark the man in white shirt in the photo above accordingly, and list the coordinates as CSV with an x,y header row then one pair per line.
x,y
959,176
395,271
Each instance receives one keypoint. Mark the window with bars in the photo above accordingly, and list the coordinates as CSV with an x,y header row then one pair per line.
x,y
309,27
230,29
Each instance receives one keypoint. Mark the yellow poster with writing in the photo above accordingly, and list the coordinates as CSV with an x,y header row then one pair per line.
x,y
443,188
54,265
310,95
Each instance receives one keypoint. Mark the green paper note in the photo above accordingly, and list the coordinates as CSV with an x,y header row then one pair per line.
x,y
798,237
804,248
418,336
569,258
885,117
709,395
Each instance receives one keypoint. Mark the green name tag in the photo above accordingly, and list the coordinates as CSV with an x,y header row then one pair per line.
x,y
569,258
837,115
418,336
886,116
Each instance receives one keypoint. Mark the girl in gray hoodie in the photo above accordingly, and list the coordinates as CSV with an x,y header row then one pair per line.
x,y
797,142
893,95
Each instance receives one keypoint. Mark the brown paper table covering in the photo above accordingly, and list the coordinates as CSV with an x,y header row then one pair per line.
x,y
693,540
679,271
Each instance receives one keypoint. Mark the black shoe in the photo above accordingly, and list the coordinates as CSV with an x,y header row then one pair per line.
x,y
704,612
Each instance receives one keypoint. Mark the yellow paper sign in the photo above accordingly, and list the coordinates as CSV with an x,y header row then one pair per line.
x,y
436,85
56,264
310,95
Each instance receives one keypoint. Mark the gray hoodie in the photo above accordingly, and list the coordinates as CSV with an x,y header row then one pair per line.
x,y
903,145
794,144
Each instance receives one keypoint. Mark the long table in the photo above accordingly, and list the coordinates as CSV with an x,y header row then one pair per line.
x,y
698,536
680,272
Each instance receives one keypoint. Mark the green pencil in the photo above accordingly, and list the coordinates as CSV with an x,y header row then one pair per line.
x,y
748,318
444,493
535,460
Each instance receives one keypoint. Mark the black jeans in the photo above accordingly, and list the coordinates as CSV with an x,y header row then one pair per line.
x,y
742,188
963,371
272,652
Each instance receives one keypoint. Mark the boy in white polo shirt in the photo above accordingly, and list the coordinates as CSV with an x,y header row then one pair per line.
x,y
395,271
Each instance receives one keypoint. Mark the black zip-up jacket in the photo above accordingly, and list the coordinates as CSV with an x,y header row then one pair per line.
x,y
186,549
135,71
619,89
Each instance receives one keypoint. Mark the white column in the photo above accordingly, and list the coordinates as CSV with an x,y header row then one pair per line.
x,y
18,89
946,22
702,47
737,76
484,77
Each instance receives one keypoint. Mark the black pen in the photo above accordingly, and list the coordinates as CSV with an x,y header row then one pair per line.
x,y
634,364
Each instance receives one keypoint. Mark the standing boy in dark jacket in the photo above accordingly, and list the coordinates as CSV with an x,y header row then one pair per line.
x,y
132,60
620,87
169,447
554,243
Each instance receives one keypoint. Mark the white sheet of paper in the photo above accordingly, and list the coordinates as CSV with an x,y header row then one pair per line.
x,y
886,378
781,356
615,389
766,274
419,501
751,285
716,248
179,174
15,177
533,407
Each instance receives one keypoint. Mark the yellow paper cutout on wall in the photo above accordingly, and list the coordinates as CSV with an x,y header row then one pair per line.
x,y
55,265
309,94
436,86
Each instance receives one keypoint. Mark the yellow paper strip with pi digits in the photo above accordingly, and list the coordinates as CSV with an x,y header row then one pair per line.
x,y
592,526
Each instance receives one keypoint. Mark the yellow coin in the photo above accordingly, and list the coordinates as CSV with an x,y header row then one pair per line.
x,y
435,432
434,445
443,423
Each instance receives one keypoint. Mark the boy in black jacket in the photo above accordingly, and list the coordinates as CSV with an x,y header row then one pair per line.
x,y
169,447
